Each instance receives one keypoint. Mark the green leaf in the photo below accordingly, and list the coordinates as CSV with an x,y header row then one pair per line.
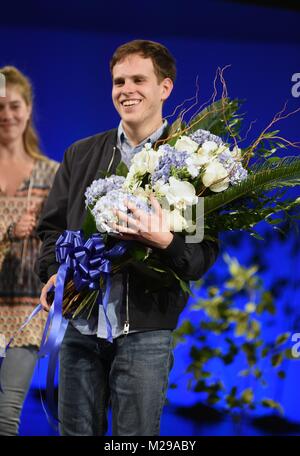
x,y
266,402
186,328
277,359
175,130
247,396
122,169
257,236
244,373
265,351
139,253
184,285
216,118
282,338
89,225
281,374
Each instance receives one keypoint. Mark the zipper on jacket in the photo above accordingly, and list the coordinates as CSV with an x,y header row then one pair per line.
x,y
126,325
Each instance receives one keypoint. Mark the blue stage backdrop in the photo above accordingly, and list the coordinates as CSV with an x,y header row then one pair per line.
x,y
69,68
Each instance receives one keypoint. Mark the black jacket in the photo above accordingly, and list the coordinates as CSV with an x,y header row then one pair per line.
x,y
65,209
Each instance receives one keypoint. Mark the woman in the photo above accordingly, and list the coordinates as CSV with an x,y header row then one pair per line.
x,y
25,179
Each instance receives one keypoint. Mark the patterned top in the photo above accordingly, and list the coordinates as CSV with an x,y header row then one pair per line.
x,y
19,285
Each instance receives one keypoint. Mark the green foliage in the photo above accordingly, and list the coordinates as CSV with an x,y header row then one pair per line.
x,y
285,172
229,330
89,225
122,169
220,118
243,206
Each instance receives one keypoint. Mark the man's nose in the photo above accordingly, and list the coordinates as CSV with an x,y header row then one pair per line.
x,y
128,87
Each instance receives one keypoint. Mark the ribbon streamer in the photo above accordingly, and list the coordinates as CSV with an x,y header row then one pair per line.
x,y
85,263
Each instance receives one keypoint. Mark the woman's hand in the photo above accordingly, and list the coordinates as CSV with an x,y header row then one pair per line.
x,y
26,224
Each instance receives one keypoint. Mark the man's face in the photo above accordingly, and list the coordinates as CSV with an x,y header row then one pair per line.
x,y
137,95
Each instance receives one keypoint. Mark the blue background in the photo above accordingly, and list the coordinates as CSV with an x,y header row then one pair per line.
x,y
65,47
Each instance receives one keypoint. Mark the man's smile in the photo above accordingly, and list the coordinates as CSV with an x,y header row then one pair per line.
x,y
130,102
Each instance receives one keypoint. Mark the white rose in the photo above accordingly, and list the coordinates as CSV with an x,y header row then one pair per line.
x,y
215,177
186,144
180,193
236,153
160,188
139,162
209,147
153,160
194,162
175,221
207,152
142,193
146,160
133,179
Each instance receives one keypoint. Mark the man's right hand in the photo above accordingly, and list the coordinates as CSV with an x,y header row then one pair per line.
x,y
43,298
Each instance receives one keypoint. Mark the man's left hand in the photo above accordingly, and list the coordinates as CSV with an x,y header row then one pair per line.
x,y
150,228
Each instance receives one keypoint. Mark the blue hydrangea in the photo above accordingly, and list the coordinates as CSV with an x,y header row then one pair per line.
x,y
171,158
234,168
201,136
100,187
103,210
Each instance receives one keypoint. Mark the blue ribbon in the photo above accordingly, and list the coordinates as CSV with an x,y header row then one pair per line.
x,y
88,261
85,263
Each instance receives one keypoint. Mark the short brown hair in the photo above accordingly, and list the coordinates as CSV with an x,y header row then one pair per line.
x,y
163,62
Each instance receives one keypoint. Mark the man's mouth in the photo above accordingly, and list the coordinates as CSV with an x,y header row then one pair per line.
x,y
129,103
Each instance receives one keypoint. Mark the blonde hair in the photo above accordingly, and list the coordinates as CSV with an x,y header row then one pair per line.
x,y
14,77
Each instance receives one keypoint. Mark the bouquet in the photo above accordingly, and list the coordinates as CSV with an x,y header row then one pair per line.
x,y
199,161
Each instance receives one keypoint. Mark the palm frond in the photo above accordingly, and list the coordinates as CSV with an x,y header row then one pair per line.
x,y
267,176
217,117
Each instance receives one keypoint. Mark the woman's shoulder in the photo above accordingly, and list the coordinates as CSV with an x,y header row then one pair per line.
x,y
46,169
48,165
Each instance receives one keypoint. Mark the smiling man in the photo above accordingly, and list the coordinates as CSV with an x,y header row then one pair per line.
x,y
131,374
138,94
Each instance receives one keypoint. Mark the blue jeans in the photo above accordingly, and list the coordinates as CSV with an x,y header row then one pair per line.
x,y
16,374
131,375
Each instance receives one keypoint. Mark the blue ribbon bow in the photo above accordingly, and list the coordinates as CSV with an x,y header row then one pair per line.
x,y
85,262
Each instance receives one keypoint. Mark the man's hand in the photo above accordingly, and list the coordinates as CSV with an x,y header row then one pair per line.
x,y
43,298
150,228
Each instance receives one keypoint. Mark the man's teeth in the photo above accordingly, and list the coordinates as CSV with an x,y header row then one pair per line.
x,y
130,102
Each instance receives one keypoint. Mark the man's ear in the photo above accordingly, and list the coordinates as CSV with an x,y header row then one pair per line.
x,y
166,88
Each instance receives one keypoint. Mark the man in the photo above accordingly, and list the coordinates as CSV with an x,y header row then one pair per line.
x,y
132,372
